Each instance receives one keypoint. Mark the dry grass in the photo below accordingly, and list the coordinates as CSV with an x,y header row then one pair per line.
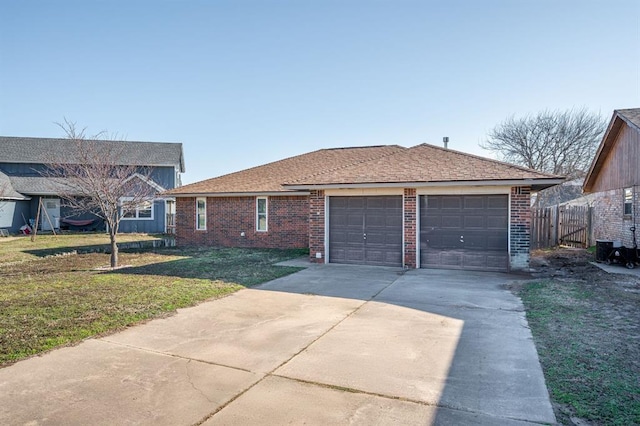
x,y
586,325
60,300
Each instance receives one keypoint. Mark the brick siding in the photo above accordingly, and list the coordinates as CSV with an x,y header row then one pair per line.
x,y
229,217
299,222
609,221
410,224
316,226
520,228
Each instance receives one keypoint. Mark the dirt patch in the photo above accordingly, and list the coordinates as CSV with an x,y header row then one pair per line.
x,y
586,324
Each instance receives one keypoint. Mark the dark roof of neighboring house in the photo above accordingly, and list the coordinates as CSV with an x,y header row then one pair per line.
x,y
631,117
7,190
50,150
370,166
38,185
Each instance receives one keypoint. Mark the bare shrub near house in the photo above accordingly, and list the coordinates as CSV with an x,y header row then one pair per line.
x,y
557,142
99,181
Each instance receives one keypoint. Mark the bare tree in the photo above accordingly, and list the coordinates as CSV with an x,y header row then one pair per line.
x,y
557,142
98,181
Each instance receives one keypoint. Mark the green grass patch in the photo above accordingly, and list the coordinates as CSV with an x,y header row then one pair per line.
x,y
22,249
56,301
587,339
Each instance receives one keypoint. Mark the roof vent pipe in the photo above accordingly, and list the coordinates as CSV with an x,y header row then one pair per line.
x,y
445,141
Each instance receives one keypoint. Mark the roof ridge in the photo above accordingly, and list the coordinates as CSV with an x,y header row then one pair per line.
x,y
345,166
87,140
287,159
479,157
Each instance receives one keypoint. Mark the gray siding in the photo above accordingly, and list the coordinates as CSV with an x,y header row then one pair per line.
x,y
147,226
11,213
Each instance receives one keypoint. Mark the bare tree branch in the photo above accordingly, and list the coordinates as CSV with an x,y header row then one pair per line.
x,y
99,181
558,142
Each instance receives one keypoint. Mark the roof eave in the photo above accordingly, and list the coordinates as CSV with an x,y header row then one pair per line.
x,y
292,193
536,184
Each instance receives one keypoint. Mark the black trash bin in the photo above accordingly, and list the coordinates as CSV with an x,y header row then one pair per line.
x,y
603,249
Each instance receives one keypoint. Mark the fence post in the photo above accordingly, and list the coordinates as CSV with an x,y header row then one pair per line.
x,y
589,225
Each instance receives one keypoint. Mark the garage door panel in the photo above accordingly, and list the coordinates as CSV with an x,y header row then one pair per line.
x,y
471,202
500,202
497,243
497,222
453,221
464,232
380,218
451,202
475,221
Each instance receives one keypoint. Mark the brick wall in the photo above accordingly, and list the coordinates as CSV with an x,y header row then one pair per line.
x,y
229,217
410,224
520,228
608,220
316,226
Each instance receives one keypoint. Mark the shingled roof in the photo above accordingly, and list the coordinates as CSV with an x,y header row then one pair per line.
x,y
369,166
269,178
7,190
50,150
425,164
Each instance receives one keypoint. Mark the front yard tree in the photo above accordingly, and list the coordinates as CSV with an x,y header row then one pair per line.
x,y
558,142
100,181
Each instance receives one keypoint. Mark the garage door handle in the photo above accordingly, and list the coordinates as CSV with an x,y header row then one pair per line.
x,y
364,236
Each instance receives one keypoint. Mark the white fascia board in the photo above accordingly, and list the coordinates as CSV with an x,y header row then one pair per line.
x,y
510,182
149,182
242,194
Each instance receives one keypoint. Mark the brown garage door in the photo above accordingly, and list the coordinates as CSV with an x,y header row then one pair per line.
x,y
365,230
464,232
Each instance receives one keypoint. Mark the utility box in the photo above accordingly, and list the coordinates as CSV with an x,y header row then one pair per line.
x,y
603,250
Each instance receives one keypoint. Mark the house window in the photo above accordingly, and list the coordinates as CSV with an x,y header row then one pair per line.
x,y
628,201
201,214
141,210
261,214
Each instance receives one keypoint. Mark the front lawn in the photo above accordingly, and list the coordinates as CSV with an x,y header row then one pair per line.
x,y
21,248
54,301
586,326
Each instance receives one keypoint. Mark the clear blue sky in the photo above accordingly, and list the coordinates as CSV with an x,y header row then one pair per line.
x,y
241,83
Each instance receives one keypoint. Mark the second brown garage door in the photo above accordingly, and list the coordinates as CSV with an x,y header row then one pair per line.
x,y
464,232
366,230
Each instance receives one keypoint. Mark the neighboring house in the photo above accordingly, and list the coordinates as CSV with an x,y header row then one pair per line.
x,y
613,179
381,205
23,161
564,194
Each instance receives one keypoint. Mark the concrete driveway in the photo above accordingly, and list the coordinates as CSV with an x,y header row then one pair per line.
x,y
332,344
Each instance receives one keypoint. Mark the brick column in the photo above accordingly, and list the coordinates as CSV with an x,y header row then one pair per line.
x,y
520,227
316,226
409,224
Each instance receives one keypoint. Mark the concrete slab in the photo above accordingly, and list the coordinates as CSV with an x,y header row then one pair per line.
x,y
255,330
383,349
453,339
98,383
310,404
617,269
333,280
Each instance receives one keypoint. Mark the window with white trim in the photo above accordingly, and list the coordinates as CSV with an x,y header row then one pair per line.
x,y
143,210
628,201
261,214
201,214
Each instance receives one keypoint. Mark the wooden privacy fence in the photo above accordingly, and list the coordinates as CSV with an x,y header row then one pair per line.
x,y
560,226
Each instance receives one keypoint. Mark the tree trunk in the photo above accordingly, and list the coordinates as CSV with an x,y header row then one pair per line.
x,y
114,248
